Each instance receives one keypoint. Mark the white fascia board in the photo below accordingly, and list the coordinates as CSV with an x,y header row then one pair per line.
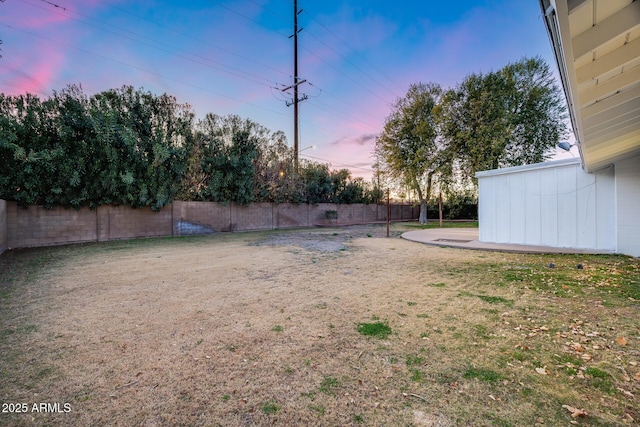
x,y
534,166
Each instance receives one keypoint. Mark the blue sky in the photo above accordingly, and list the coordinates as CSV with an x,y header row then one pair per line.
x,y
234,56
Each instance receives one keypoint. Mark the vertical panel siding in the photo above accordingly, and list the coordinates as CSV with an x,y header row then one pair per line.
x,y
502,212
567,208
587,230
606,212
486,209
548,208
627,175
532,209
517,211
550,205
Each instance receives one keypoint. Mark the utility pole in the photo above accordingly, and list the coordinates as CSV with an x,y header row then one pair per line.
x,y
295,84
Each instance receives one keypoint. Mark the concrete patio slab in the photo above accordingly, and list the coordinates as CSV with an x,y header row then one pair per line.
x,y
467,238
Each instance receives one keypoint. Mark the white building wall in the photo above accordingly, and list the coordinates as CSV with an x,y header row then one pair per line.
x,y
628,206
486,217
549,204
548,208
533,206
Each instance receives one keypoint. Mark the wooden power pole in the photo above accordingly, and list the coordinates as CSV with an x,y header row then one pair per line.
x,y
295,84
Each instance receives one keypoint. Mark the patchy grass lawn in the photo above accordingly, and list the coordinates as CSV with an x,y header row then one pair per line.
x,y
316,327
434,223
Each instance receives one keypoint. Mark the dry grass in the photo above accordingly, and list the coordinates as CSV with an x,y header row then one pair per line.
x,y
262,329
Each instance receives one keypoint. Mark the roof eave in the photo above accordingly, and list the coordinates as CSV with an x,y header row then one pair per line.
x,y
554,31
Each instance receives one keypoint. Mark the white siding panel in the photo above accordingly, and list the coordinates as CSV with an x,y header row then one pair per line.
x,y
502,213
606,212
516,208
586,210
558,204
567,209
549,208
627,177
486,210
532,208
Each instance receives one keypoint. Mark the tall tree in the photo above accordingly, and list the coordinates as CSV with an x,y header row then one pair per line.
x,y
227,148
141,146
30,150
317,181
509,117
129,147
275,180
120,146
409,149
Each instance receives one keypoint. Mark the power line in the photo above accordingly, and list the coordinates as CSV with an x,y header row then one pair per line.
x,y
244,16
340,113
295,84
318,104
230,52
196,58
349,61
344,101
354,51
328,108
145,70
17,68
348,77
279,15
22,87
307,50
278,112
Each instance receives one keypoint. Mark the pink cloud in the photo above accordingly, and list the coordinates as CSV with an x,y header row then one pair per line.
x,y
40,21
36,44
33,73
28,15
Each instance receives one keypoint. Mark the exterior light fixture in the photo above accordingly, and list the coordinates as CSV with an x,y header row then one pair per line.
x,y
566,146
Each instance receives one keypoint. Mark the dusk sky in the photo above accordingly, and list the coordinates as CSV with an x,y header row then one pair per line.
x,y
235,56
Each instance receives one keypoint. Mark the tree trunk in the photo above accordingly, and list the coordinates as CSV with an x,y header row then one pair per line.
x,y
423,200
423,204
423,211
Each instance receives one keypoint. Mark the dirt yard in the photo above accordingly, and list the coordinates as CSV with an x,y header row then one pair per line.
x,y
263,329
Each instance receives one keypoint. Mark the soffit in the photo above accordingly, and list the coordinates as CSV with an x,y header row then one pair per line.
x,y
597,44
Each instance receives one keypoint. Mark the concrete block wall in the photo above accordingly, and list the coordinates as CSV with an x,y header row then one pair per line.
x,y
358,214
317,214
349,214
200,218
287,215
37,226
369,213
256,216
398,212
3,226
122,222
